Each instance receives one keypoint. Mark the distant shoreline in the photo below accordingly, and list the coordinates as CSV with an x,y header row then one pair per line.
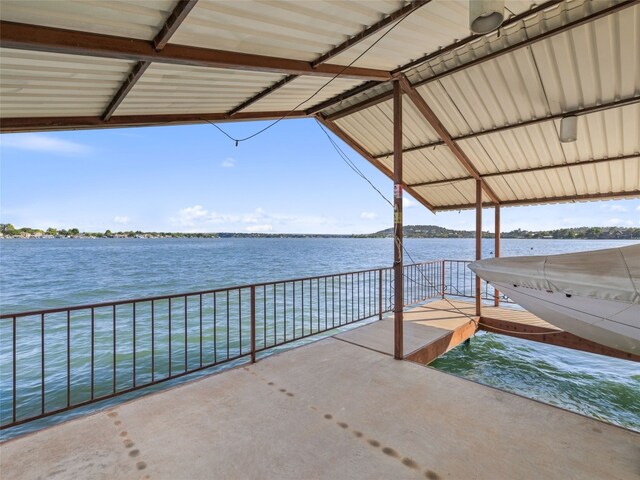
x,y
410,231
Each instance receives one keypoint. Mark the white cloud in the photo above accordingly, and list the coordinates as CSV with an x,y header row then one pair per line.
x,y
38,142
197,218
228,162
368,215
638,208
408,203
259,228
613,208
121,219
198,215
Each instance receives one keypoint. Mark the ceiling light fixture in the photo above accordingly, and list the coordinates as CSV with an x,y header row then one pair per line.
x,y
485,15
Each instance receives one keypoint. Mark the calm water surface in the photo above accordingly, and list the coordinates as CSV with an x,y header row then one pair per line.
x,y
61,272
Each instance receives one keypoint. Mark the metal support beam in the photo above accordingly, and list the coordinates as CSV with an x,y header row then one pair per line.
x,y
168,29
136,73
535,121
496,250
180,12
398,278
526,170
56,40
31,124
540,201
433,120
366,33
478,285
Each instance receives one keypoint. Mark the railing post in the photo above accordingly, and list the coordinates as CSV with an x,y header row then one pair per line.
x,y
496,249
253,324
380,294
442,272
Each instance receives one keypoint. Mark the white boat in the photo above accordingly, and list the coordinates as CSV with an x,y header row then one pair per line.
x,y
594,295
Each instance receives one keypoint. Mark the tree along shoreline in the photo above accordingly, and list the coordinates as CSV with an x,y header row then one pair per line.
x,y
410,231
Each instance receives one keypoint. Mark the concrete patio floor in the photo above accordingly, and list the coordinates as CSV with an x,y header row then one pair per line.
x,y
329,410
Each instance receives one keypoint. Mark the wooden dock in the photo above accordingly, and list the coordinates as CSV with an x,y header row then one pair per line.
x,y
434,328
429,331
522,324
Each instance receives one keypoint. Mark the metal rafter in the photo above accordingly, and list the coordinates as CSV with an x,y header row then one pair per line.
x,y
180,12
557,116
346,138
56,40
366,86
435,123
28,124
178,15
525,43
527,170
354,40
537,201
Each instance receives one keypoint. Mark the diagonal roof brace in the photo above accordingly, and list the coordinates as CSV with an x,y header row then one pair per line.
x,y
435,123
178,15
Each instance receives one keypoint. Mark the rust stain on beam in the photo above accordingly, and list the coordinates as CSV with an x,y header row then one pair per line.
x,y
534,121
539,201
527,170
32,124
442,132
367,32
555,337
56,40
176,18
336,130
432,351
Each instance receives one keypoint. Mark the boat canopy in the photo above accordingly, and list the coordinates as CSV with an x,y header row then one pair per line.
x,y
611,274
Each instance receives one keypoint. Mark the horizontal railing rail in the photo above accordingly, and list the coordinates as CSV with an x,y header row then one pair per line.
x,y
57,359
460,281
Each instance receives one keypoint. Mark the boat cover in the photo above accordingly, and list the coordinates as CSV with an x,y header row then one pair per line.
x,y
611,274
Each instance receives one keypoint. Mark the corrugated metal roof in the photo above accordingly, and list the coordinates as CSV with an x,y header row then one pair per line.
x,y
183,89
109,17
297,91
299,30
38,84
584,67
432,27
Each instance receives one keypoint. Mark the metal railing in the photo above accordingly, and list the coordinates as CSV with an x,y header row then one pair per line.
x,y
458,280
58,359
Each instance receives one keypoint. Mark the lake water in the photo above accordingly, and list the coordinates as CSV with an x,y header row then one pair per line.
x,y
52,273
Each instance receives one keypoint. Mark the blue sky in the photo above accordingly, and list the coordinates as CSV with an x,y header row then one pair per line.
x,y
193,179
